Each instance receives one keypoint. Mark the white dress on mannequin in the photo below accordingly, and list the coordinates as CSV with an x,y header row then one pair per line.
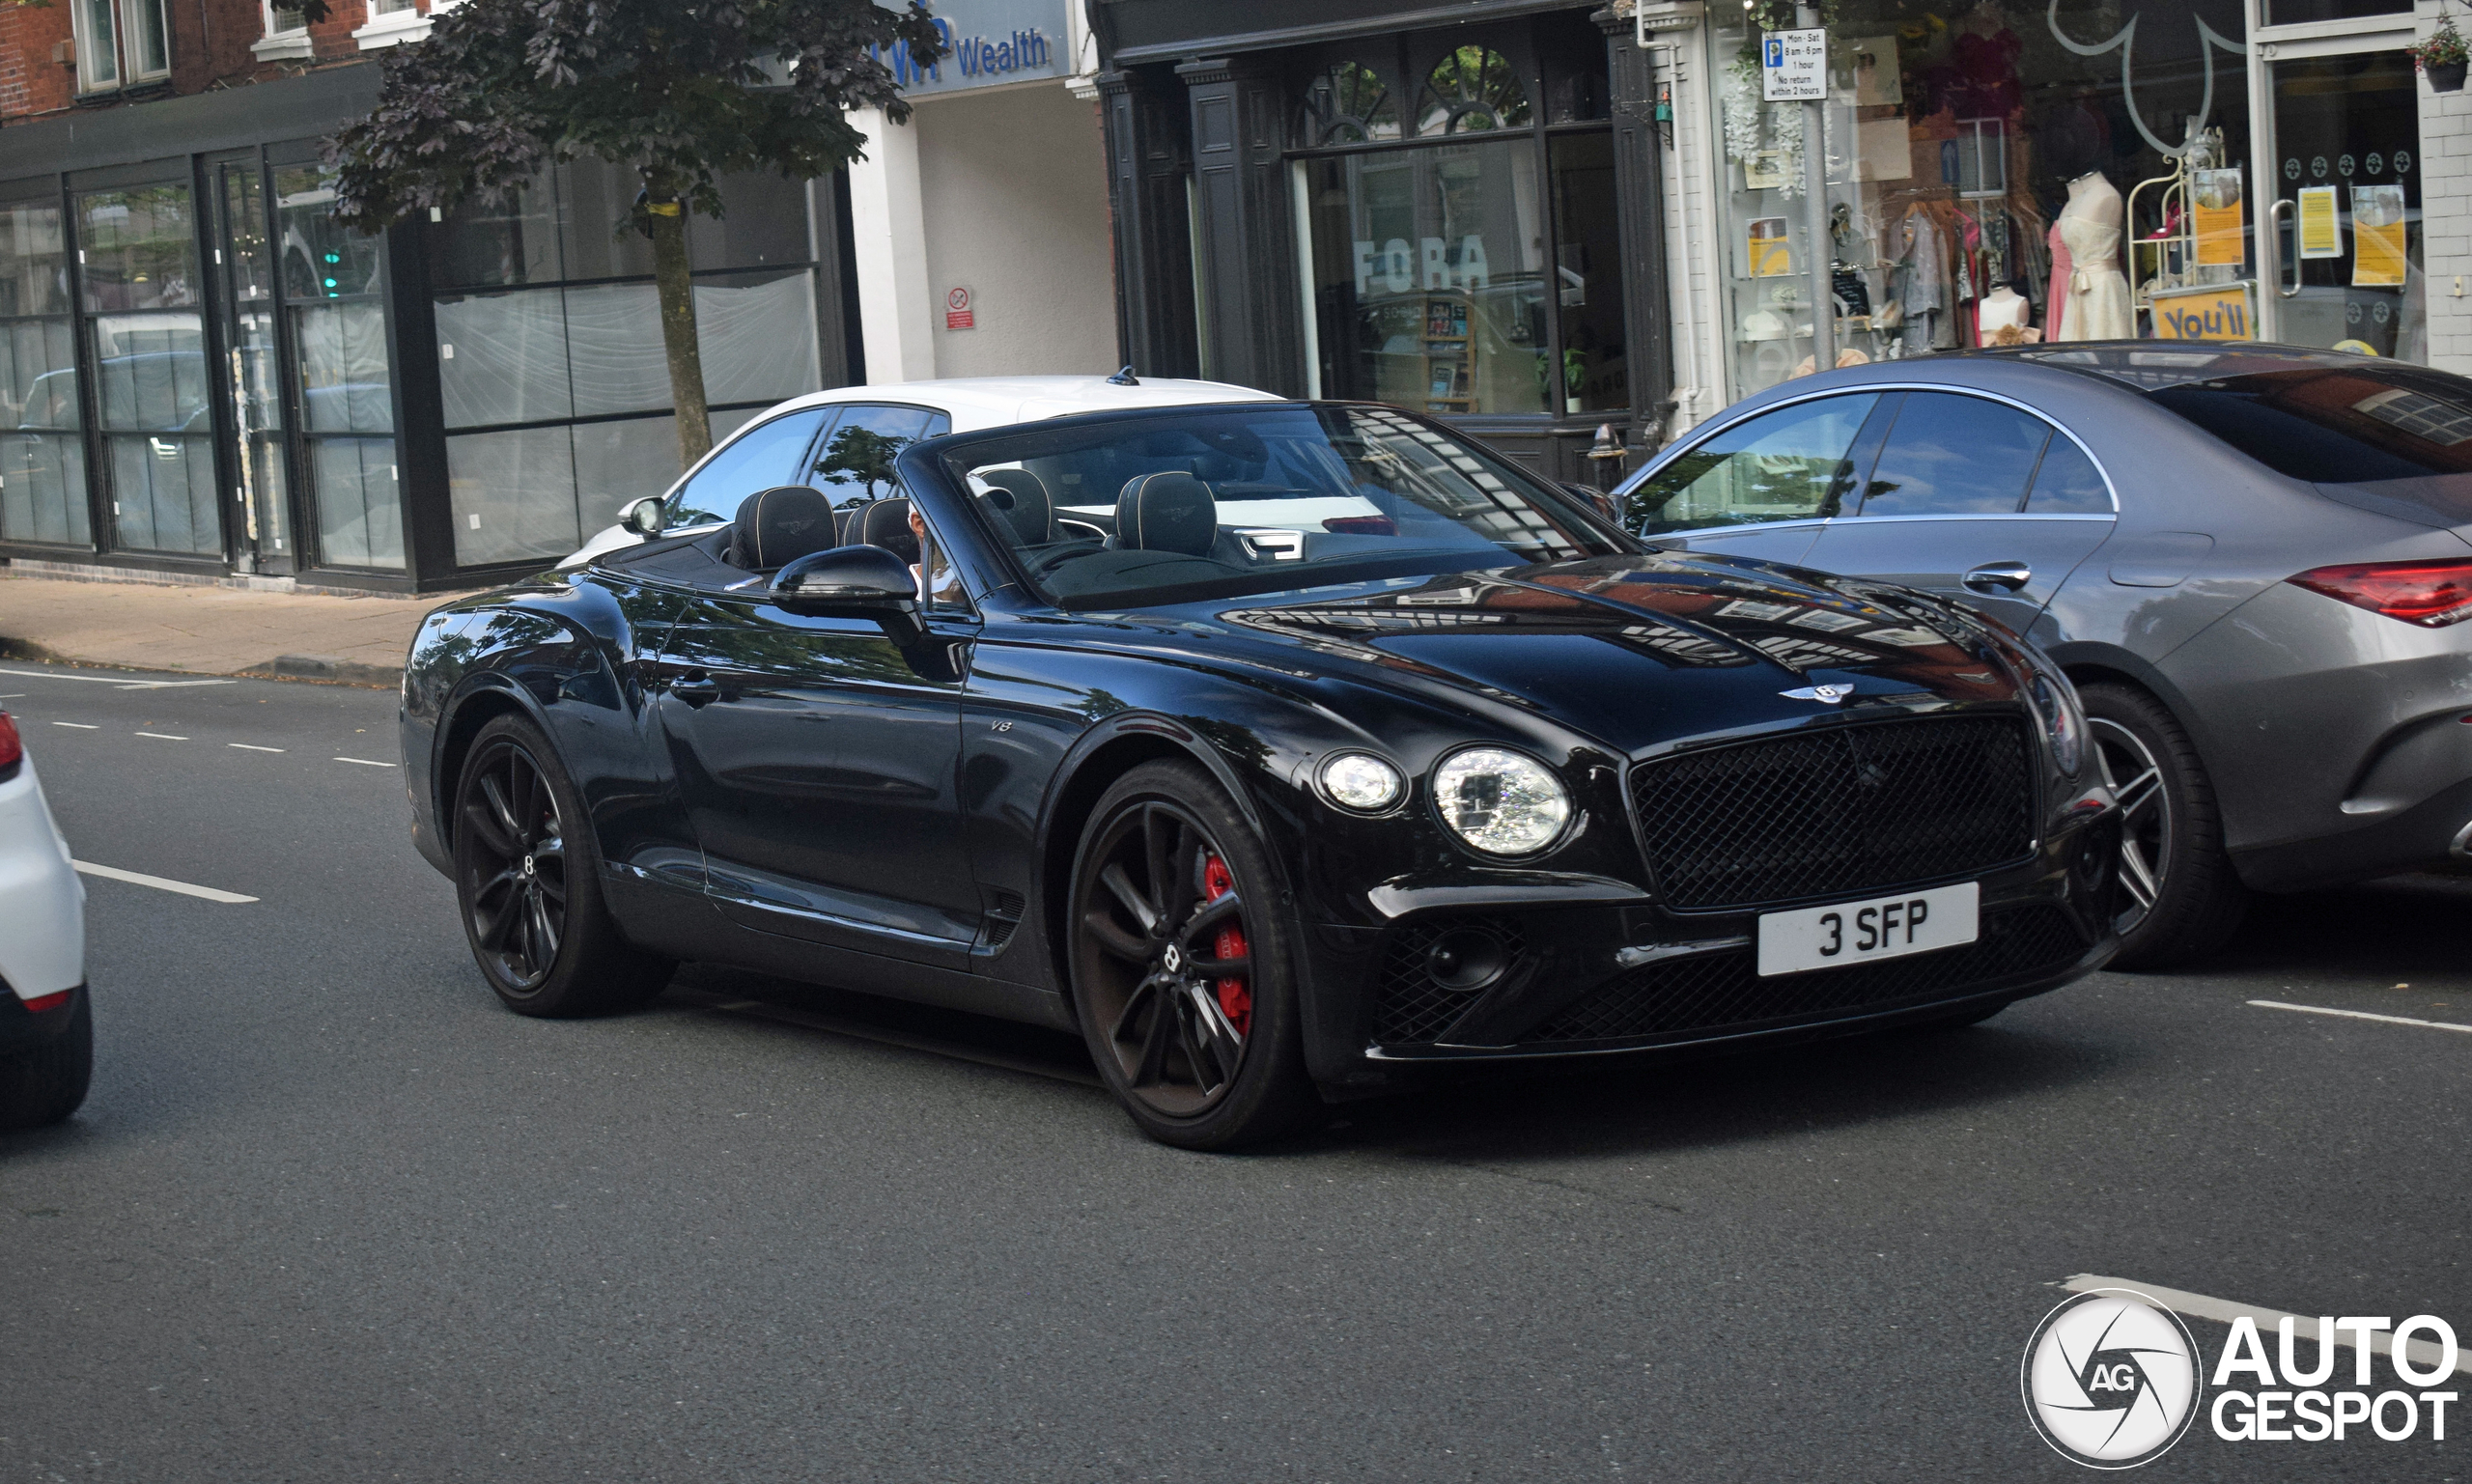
x,y
2001,320
2097,306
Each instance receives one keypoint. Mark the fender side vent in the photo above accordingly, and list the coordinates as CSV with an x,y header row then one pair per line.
x,y
1003,915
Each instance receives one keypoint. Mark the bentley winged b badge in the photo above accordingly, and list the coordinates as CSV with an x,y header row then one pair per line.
x,y
1826,695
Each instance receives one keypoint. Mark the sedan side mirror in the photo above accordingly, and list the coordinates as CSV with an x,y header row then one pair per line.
x,y
647,518
1594,500
852,583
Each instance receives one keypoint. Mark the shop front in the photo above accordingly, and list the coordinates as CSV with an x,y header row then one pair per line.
x,y
201,376
2007,171
1353,201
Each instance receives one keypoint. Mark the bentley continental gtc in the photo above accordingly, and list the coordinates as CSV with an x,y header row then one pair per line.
x,y
1280,749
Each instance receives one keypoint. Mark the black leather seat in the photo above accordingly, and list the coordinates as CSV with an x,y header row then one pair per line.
x,y
777,526
1171,510
1023,498
885,523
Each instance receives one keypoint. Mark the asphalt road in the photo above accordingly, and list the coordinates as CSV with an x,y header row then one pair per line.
x,y
331,1213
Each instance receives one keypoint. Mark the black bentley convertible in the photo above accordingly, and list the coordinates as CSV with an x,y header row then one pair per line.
x,y
1277,747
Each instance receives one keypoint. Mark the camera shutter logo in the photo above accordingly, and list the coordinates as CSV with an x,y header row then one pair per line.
x,y
2111,1378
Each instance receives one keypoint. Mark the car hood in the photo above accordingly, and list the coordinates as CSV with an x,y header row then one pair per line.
x,y
1636,650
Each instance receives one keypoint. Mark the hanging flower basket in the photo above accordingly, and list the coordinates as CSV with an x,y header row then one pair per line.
x,y
2443,56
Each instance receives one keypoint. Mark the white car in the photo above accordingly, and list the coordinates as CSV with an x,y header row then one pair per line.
x,y
46,1030
841,441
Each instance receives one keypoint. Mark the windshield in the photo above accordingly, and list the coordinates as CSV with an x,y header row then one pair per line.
x,y
1208,502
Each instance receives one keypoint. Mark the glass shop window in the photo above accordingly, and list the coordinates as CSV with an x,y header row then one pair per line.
x,y
1987,171
42,456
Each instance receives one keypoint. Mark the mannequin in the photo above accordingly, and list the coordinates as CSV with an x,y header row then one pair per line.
x,y
2097,305
2001,317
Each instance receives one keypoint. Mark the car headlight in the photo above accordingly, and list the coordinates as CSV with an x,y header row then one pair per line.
x,y
2063,719
1499,802
1361,781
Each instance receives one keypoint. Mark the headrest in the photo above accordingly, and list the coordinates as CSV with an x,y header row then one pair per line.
x,y
1166,512
885,523
777,526
1023,498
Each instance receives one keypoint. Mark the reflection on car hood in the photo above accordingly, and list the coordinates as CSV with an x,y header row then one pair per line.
x,y
1639,650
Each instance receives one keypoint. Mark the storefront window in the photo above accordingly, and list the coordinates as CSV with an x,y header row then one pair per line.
x,y
141,301
552,318
334,292
43,457
1997,173
1472,267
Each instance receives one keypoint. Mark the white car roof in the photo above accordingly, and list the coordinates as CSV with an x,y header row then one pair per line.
x,y
973,403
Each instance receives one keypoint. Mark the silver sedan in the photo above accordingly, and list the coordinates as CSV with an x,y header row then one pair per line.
x,y
2254,560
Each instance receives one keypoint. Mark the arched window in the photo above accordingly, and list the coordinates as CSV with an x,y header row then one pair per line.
x,y
1472,89
1350,104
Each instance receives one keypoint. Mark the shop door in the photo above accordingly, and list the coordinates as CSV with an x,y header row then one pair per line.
x,y
249,381
2346,175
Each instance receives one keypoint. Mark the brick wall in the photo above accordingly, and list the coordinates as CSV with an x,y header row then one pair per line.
x,y
210,47
2446,215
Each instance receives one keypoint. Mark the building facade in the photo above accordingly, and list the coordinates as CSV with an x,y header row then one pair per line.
x,y
1459,210
201,377
2267,169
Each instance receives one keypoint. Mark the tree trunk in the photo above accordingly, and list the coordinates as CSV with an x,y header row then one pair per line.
x,y
667,220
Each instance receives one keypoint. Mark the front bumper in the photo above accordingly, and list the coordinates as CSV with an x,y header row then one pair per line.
x,y
1599,977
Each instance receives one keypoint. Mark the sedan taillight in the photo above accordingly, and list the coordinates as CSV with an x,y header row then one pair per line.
x,y
12,747
2431,593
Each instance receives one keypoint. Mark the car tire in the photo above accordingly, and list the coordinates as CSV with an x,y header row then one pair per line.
x,y
1201,1061
527,885
44,1083
2180,897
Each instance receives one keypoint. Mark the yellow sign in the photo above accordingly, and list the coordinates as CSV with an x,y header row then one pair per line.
x,y
1769,256
2221,217
2377,236
2209,311
2321,235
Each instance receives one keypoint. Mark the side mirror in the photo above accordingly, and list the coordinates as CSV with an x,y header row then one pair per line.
x,y
647,518
852,583
1594,500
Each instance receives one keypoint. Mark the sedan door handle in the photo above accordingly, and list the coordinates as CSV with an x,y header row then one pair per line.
x,y
695,688
2008,575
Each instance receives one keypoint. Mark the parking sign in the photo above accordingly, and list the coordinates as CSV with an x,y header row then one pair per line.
x,y
1793,67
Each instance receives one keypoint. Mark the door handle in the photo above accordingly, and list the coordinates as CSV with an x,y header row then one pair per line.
x,y
2006,576
2276,215
695,688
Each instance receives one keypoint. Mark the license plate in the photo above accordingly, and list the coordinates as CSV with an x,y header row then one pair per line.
x,y
1866,931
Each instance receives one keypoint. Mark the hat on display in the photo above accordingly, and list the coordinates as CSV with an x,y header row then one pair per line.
x,y
1760,325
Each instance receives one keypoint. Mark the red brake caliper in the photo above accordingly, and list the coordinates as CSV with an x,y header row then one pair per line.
x,y
1235,1001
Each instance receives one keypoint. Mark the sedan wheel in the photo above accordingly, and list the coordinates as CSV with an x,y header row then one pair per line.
x,y
1178,964
2136,780
2179,898
527,879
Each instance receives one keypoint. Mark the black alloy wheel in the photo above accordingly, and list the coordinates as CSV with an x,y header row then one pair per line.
x,y
1179,957
524,877
2178,897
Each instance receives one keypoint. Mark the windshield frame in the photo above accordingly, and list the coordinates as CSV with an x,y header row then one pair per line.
x,y
994,561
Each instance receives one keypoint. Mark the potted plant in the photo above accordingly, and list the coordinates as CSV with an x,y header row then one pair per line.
x,y
2443,56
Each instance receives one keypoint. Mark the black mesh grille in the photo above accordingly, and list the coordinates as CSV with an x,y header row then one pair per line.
x,y
1724,990
1836,812
1408,1006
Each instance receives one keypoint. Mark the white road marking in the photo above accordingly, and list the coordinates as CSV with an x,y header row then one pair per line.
x,y
82,726
114,679
365,762
2361,1015
252,748
2222,1311
159,884
159,736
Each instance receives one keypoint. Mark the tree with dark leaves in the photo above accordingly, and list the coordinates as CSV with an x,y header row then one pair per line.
x,y
684,91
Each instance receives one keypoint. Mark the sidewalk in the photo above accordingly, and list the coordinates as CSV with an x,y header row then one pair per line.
x,y
212,630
